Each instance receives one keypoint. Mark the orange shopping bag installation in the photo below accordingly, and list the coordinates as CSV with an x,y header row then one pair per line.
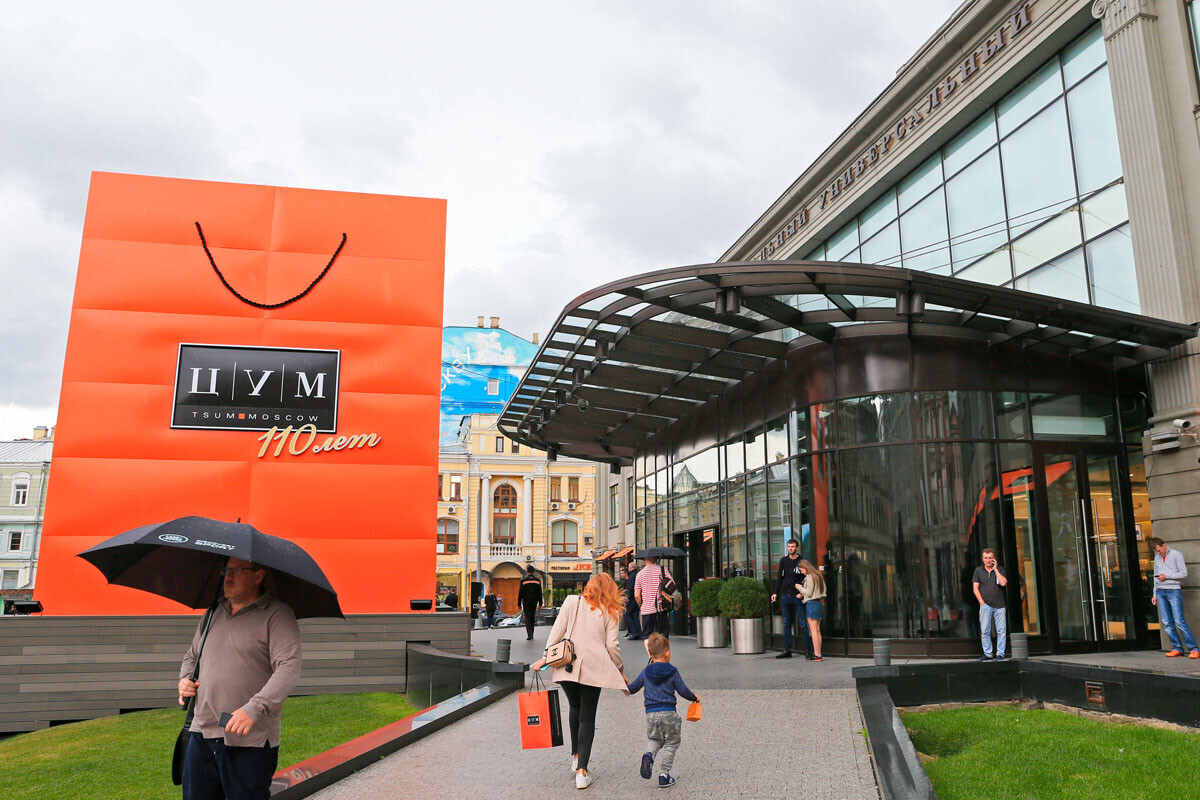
x,y
252,352
540,717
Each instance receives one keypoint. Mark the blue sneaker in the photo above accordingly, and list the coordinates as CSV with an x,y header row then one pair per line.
x,y
647,765
665,780
1001,658
984,658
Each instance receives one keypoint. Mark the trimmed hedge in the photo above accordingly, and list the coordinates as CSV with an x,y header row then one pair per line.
x,y
743,598
704,597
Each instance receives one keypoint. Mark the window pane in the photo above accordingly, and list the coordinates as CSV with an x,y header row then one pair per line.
x,y
879,519
756,448
759,532
799,426
971,143
779,514
954,415
995,269
1042,244
1193,15
1083,55
920,182
843,242
1104,210
777,440
1074,416
1010,416
1038,178
884,247
738,558
875,418
816,254
923,235
975,200
1063,279
735,457
1114,281
880,213
1094,133
1030,97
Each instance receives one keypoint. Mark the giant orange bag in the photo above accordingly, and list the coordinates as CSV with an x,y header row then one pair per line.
x,y
192,386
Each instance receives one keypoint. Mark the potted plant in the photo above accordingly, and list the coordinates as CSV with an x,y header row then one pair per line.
x,y
744,602
711,628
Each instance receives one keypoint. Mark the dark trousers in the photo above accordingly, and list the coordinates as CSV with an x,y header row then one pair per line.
x,y
793,613
529,610
583,700
633,620
491,617
658,622
213,771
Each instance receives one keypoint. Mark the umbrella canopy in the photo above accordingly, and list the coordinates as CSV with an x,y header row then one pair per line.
x,y
659,552
182,560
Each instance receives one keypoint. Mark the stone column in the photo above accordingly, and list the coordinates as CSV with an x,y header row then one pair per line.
x,y
527,512
485,510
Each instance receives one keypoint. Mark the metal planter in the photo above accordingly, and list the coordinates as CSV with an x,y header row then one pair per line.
x,y
777,624
747,636
711,632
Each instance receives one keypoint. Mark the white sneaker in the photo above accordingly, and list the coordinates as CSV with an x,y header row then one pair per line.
x,y
574,763
582,780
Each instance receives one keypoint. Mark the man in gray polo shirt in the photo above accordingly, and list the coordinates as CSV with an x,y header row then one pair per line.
x,y
1169,570
250,663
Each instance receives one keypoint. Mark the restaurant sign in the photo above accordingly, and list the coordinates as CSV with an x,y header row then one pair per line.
x,y
964,71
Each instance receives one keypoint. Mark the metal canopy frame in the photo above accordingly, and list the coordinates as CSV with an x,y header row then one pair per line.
x,y
629,358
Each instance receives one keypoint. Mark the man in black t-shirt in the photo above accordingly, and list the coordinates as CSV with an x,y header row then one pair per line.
x,y
989,582
787,590
530,598
452,599
490,602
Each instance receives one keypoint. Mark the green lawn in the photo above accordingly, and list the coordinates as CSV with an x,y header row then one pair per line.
x,y
129,757
1005,752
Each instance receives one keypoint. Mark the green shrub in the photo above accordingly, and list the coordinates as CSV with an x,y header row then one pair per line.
x,y
704,597
743,598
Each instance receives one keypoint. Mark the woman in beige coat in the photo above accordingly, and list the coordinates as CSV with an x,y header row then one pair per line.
x,y
590,622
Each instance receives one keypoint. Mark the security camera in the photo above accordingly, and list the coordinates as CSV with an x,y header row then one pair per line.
x,y
583,404
1182,424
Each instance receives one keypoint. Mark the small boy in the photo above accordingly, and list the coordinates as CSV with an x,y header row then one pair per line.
x,y
662,682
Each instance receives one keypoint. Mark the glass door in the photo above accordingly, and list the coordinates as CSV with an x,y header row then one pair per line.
x,y
1086,544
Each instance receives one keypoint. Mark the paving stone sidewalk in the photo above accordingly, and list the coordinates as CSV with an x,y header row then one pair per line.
x,y
750,744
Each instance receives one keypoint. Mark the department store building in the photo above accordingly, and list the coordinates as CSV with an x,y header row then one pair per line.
x,y
969,324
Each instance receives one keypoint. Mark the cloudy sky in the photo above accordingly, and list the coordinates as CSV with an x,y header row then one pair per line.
x,y
575,142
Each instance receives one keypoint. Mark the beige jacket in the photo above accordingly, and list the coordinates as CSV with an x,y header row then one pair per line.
x,y
809,591
597,648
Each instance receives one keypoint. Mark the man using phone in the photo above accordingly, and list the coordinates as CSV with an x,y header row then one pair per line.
x,y
249,665
989,583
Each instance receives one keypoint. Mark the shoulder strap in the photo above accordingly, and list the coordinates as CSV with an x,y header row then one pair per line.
x,y
574,616
191,703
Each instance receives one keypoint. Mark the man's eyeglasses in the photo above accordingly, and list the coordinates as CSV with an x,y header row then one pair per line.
x,y
236,570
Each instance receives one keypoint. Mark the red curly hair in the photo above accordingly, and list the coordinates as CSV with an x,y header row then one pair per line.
x,y
601,592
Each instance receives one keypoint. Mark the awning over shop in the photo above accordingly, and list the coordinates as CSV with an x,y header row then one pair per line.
x,y
630,358
607,555
623,552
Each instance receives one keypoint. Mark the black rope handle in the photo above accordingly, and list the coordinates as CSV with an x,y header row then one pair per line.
x,y
255,303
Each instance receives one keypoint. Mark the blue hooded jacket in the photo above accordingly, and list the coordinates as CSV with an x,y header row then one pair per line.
x,y
662,682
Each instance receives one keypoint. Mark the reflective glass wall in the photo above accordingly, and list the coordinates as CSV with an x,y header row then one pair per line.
x,y
1029,195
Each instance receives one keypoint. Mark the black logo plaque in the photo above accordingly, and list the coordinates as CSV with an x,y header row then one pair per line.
x,y
231,388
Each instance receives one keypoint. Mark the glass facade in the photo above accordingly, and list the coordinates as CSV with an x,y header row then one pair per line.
x,y
1028,195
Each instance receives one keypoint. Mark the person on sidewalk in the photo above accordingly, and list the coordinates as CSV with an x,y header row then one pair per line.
x,y
529,596
812,592
787,590
1169,570
633,614
590,622
451,600
662,682
490,602
651,590
988,582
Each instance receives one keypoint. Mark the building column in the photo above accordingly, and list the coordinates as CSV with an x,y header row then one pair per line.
x,y
485,510
527,512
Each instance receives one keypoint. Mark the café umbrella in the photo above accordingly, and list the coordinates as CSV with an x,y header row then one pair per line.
x,y
182,560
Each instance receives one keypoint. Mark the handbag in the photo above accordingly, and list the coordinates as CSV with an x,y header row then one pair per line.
x,y
561,654
540,717
181,741
693,714
666,590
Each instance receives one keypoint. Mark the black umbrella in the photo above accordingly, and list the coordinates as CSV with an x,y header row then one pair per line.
x,y
182,560
659,552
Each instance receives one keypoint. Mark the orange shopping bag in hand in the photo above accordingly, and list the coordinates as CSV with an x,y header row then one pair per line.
x,y
693,714
541,719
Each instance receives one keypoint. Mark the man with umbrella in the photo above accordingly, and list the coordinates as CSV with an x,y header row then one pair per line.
x,y
250,663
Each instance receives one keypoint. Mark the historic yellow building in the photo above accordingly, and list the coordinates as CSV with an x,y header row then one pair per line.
x,y
502,507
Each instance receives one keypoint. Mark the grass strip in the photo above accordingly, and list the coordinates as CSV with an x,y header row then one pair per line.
x,y
128,757
1039,754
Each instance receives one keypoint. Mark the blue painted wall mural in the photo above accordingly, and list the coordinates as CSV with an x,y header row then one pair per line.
x,y
475,360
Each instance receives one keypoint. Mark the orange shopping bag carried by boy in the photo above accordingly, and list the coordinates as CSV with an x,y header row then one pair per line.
x,y
693,714
541,719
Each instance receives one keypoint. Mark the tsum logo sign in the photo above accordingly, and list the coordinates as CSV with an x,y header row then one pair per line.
x,y
221,387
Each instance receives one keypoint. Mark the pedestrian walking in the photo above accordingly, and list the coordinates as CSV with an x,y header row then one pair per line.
x,y
633,614
812,592
663,725
1169,570
787,591
251,662
490,602
988,583
590,622
451,600
652,592
529,596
